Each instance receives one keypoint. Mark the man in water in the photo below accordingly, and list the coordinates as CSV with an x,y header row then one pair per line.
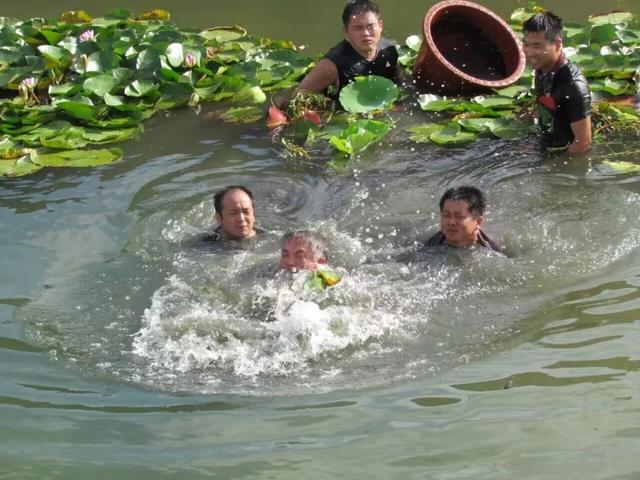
x,y
564,100
461,218
305,250
362,52
234,214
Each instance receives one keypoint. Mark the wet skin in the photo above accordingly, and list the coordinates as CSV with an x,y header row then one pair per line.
x,y
458,225
237,217
297,254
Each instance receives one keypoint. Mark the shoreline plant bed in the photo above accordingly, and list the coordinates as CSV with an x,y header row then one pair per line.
x,y
71,85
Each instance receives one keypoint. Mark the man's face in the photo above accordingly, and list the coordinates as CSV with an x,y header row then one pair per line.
x,y
540,52
297,254
459,227
363,33
236,218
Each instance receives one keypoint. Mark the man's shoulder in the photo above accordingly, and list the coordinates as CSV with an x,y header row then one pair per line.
x,y
437,239
488,241
570,74
339,51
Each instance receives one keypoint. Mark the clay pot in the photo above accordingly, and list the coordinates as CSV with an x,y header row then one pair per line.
x,y
467,49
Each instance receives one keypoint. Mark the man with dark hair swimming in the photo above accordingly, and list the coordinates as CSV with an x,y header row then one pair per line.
x,y
461,218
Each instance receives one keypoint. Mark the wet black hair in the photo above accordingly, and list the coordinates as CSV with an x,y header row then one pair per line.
x,y
316,241
219,196
547,22
356,7
472,195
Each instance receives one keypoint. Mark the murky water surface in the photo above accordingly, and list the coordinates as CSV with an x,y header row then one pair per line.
x,y
130,350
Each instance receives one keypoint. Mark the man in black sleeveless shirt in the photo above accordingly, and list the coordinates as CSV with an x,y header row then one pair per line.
x,y
564,100
362,52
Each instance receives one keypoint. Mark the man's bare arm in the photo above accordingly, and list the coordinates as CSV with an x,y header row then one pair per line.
x,y
582,134
321,77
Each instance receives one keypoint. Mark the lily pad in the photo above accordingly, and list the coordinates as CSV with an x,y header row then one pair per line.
x,y
57,57
422,133
224,34
359,135
369,93
451,135
100,85
77,158
613,18
250,94
18,168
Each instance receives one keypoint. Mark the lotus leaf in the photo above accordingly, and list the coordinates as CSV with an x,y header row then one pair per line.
x,y
369,93
78,109
422,133
110,136
77,158
8,55
56,57
476,125
100,85
53,36
603,34
70,139
508,128
613,18
148,62
140,88
173,95
614,87
224,34
495,101
113,100
18,168
13,75
513,91
451,135
242,114
359,135
250,94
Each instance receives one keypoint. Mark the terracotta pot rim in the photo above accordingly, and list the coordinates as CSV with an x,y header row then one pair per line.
x,y
426,31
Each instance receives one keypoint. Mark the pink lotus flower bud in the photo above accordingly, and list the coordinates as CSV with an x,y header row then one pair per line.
x,y
28,83
86,36
189,60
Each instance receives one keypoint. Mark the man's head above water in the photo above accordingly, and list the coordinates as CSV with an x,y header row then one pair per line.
x,y
462,215
303,250
234,212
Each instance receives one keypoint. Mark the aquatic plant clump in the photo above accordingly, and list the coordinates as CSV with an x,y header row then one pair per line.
x,y
79,81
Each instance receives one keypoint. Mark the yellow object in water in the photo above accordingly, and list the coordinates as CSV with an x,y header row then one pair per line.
x,y
323,278
623,167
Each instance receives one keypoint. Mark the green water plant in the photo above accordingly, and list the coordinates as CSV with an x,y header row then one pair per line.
x,y
76,82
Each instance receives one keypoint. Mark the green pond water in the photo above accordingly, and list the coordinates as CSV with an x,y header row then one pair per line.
x,y
128,353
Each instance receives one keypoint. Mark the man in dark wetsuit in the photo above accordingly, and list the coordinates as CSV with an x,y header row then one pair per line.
x,y
461,217
564,99
362,52
234,215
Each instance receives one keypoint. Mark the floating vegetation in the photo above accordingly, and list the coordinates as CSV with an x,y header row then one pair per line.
x,y
79,81
71,84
